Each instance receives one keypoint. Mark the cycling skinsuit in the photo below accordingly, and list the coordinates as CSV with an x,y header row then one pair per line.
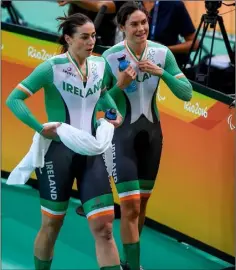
x,y
68,100
138,141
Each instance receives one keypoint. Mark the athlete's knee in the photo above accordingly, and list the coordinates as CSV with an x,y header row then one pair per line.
x,y
130,209
101,228
51,225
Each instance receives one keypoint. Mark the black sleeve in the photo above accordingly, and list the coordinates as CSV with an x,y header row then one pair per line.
x,y
183,18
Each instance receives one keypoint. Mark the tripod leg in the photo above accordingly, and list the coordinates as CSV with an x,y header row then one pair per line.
x,y
212,45
226,40
198,76
194,42
205,27
12,15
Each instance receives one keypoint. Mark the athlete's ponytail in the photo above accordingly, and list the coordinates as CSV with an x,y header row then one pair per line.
x,y
68,25
64,45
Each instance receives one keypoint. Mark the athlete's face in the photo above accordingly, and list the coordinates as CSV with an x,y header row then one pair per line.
x,y
83,40
136,27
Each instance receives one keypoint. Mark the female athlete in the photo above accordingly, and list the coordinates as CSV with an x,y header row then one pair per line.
x,y
138,141
73,86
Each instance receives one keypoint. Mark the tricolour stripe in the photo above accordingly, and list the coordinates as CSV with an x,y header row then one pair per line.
x,y
55,213
143,56
129,195
25,89
180,75
77,68
145,193
101,211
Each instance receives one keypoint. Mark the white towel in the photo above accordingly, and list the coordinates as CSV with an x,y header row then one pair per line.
x,y
79,141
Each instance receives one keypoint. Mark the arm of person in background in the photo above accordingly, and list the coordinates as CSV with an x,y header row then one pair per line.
x,y
39,78
185,46
171,75
187,30
91,5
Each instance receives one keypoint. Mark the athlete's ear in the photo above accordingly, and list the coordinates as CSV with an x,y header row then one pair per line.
x,y
122,28
68,39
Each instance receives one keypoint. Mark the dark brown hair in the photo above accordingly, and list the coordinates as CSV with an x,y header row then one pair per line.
x,y
68,27
127,9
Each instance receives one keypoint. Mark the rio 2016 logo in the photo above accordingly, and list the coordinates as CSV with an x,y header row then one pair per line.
x,y
41,55
196,109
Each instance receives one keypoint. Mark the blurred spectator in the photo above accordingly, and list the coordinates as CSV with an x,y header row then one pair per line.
x,y
107,29
172,21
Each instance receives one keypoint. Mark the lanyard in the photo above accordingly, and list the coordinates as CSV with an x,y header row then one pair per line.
x,y
154,20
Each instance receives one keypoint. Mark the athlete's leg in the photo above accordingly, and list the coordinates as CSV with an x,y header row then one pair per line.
x,y
45,241
142,215
55,183
98,205
127,184
106,250
148,150
130,210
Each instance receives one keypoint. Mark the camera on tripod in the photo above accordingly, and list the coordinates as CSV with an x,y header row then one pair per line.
x,y
212,7
204,72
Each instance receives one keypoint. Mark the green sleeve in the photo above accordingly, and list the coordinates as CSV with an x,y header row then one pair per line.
x,y
39,78
106,102
109,93
117,94
110,81
181,87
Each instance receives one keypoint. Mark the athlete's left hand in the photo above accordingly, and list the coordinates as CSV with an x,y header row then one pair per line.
x,y
150,67
116,122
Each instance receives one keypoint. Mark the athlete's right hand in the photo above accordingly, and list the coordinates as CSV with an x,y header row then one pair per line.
x,y
126,77
116,122
50,132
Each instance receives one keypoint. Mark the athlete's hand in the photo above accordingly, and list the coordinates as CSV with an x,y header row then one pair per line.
x,y
149,67
126,77
116,122
50,132
63,2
